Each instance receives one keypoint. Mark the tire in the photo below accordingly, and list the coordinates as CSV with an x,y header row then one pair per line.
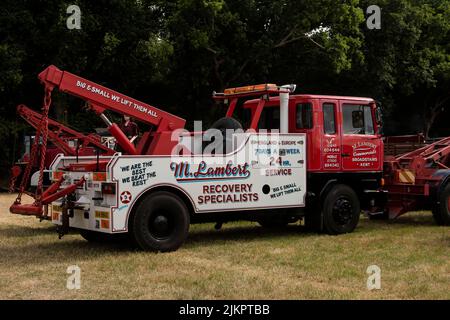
x,y
441,213
223,124
227,123
341,210
160,222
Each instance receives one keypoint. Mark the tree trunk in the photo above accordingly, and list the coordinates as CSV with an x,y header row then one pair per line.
x,y
433,113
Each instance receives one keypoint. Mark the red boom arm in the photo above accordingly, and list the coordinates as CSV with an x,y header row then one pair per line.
x,y
59,134
102,98
157,141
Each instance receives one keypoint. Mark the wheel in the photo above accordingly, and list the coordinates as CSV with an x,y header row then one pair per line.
x,y
95,236
341,210
441,213
223,124
160,222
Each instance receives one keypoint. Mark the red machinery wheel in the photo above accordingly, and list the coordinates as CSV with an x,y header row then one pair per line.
x,y
441,212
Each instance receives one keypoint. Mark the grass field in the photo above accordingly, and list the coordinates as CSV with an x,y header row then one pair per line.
x,y
241,261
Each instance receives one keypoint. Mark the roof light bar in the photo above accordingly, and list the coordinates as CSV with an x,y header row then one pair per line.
x,y
252,88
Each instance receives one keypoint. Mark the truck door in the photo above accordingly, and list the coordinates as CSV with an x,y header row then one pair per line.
x,y
331,136
361,146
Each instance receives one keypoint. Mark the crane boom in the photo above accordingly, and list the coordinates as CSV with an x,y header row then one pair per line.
x,y
100,98
105,98
60,134
156,141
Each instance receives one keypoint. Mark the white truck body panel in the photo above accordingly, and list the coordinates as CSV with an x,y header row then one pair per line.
x,y
265,172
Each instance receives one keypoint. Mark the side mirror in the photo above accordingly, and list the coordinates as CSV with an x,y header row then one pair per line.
x,y
379,119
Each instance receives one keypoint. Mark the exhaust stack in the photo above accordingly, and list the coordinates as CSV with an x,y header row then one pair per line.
x,y
284,107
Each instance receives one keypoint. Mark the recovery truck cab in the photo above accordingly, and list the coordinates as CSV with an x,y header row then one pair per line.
x,y
344,154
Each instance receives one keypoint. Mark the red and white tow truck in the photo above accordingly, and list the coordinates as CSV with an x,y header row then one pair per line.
x,y
287,157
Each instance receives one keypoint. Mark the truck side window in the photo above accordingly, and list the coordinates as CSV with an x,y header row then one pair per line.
x,y
357,119
329,123
304,115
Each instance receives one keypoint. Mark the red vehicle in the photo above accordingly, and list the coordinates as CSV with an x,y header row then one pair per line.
x,y
345,148
344,151
323,163
63,140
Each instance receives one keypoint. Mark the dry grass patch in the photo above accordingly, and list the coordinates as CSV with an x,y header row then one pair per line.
x,y
241,261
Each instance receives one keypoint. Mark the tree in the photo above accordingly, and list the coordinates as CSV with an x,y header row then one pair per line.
x,y
118,45
407,61
174,53
220,43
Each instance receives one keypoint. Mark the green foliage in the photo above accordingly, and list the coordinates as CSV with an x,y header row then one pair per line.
x,y
226,43
174,53
10,60
407,61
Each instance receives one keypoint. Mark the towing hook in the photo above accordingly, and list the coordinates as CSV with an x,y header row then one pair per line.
x,y
218,225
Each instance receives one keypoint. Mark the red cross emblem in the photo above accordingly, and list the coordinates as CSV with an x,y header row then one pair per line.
x,y
125,197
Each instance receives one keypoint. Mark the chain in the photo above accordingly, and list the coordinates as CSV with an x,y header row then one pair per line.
x,y
42,131
44,135
12,184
